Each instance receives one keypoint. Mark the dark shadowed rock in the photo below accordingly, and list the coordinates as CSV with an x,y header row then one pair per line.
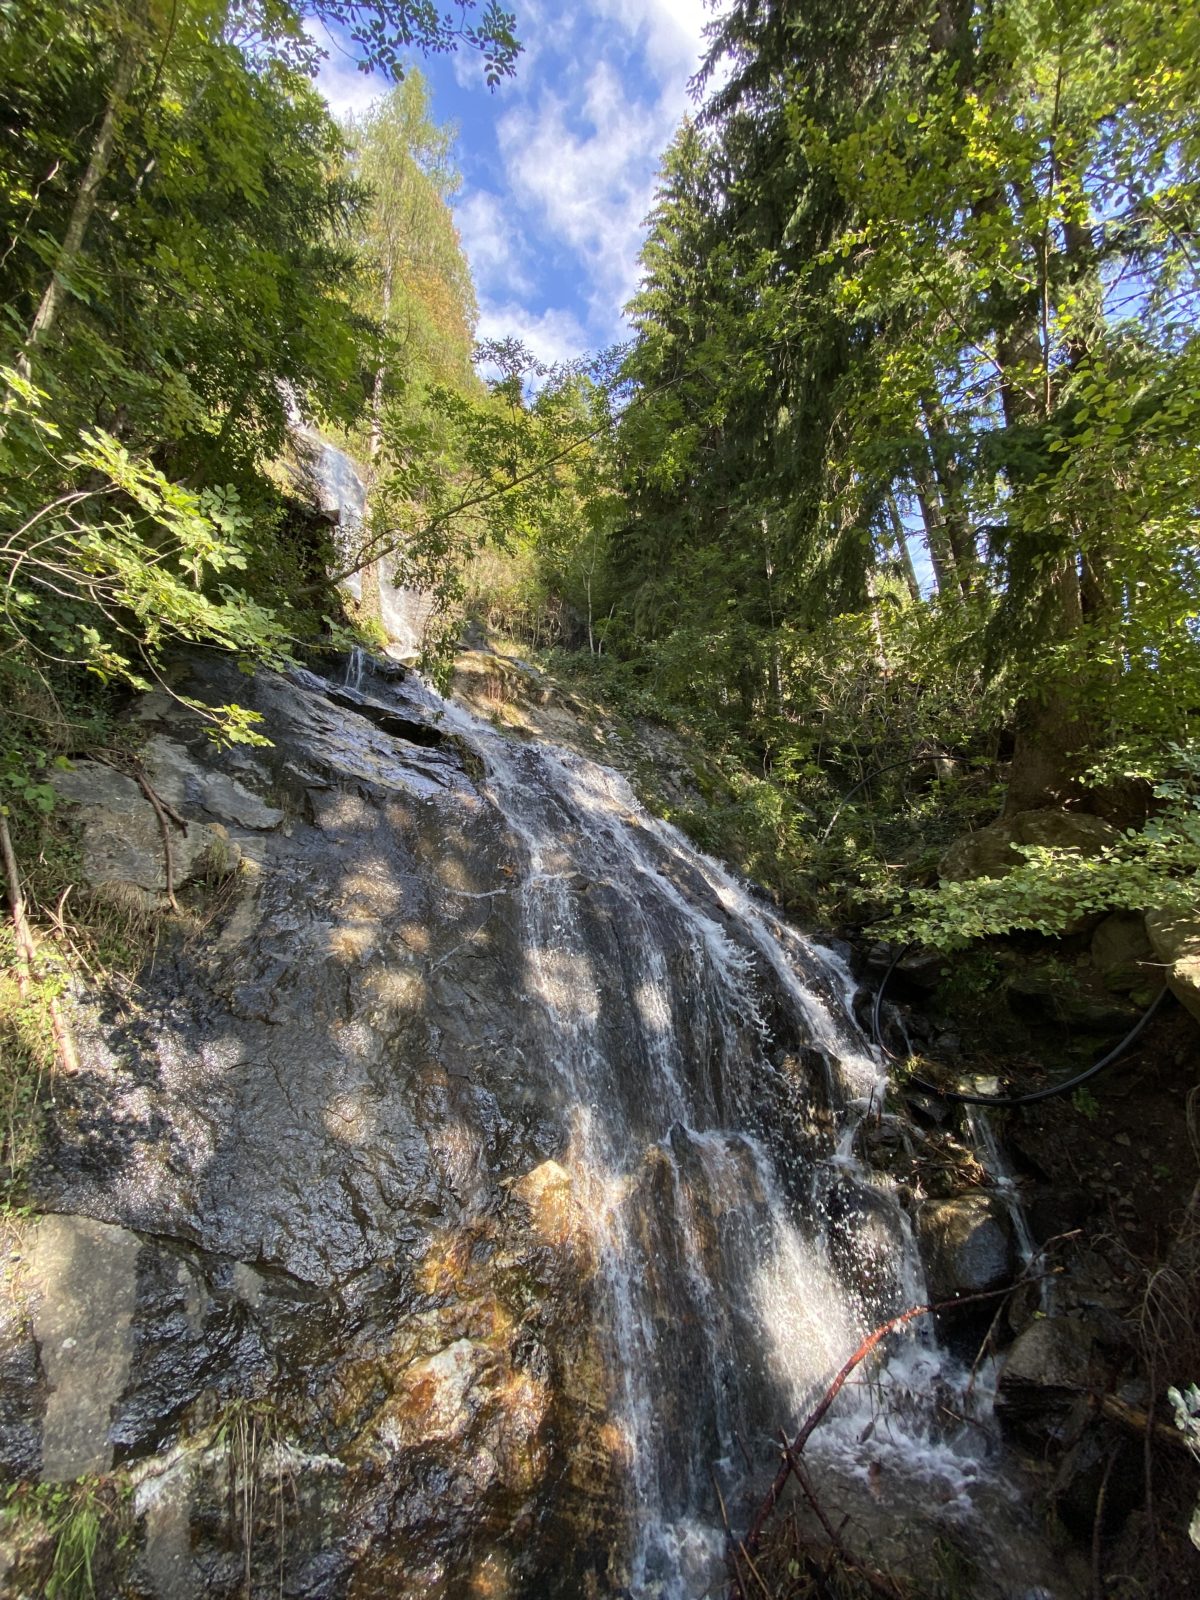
x,y
1123,955
1052,1362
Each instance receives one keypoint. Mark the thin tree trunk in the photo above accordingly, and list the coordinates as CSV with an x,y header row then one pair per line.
x,y
1051,732
940,552
902,550
371,604
945,468
380,376
881,659
85,198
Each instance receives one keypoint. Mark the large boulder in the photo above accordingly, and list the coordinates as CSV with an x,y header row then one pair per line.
x,y
966,1245
121,835
990,852
121,839
1073,996
1123,955
1048,1366
1175,936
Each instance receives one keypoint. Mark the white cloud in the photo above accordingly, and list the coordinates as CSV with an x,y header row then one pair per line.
x,y
672,32
580,148
347,91
492,244
567,170
541,28
553,335
589,179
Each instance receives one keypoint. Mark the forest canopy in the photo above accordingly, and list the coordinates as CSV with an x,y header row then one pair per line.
x,y
892,496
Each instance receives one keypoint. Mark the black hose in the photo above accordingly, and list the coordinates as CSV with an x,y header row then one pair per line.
x,y
1006,1099
877,772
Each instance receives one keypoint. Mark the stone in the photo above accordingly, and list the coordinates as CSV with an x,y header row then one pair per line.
x,y
121,838
966,1245
180,779
1046,991
989,852
1121,952
1175,936
163,1505
1049,1363
22,1381
82,1292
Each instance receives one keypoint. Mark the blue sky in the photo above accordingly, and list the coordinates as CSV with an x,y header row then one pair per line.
x,y
559,164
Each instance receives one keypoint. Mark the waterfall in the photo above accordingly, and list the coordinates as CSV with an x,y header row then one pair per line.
x,y
711,1075
506,1150
339,485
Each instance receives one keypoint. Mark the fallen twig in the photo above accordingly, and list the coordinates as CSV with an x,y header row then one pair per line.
x,y
1141,1423
64,1044
162,810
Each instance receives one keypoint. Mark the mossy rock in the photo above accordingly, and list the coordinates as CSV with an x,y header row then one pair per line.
x,y
991,852
1175,936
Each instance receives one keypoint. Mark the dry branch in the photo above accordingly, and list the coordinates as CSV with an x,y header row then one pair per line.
x,y
162,810
1141,1423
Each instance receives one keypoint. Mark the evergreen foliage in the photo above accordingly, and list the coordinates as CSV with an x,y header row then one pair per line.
x,y
920,291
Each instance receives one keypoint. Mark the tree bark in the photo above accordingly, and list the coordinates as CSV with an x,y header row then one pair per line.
x,y
949,480
1051,730
380,374
940,552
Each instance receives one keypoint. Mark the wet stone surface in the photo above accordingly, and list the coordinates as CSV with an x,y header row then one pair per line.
x,y
443,1187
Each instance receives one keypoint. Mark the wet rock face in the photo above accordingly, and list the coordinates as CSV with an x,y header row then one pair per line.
x,y
314,1196
282,1178
966,1244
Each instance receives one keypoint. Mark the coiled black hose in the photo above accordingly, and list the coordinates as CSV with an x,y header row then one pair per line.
x,y
1006,1099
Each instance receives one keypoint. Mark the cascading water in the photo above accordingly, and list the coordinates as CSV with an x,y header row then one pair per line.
x,y
743,1250
700,1062
339,486
501,1151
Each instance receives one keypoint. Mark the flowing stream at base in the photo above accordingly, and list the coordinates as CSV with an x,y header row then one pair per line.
x,y
710,1080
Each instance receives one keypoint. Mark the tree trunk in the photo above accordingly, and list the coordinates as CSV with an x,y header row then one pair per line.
x,y
380,374
936,538
902,550
1051,731
881,660
949,480
86,197
370,579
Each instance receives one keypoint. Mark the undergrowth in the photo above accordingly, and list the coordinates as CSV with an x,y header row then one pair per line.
x,y
72,1537
836,827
